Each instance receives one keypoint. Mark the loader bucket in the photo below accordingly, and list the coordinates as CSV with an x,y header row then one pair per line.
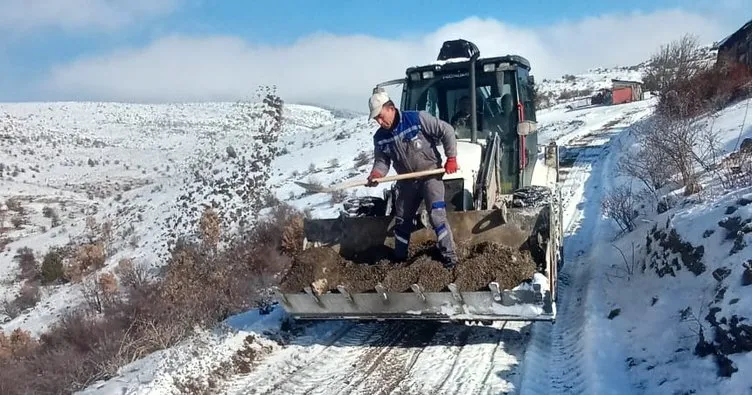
x,y
524,228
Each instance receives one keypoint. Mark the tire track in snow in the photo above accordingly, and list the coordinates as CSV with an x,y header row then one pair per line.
x,y
328,374
436,361
301,353
489,361
392,364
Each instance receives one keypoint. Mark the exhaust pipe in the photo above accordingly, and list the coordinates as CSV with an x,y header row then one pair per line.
x,y
473,100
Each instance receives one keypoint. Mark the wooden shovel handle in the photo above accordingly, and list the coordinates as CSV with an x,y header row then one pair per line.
x,y
320,189
397,177
406,176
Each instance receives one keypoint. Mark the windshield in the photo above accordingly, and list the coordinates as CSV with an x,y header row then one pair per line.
x,y
448,98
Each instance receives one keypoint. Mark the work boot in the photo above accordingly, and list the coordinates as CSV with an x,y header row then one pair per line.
x,y
450,264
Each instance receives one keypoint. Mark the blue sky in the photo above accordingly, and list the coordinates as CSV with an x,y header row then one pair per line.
x,y
157,50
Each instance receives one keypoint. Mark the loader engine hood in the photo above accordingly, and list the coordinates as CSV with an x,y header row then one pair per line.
x,y
468,160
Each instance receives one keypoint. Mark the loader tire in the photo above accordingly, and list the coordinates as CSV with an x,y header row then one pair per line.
x,y
366,206
531,196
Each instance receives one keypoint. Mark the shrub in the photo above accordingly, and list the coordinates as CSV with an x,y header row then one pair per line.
x,y
18,344
27,263
338,196
210,227
52,266
27,298
678,144
18,221
363,158
52,214
87,258
619,205
131,275
14,204
101,292
709,89
673,62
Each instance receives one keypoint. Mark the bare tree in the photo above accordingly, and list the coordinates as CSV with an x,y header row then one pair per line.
x,y
648,164
619,204
677,143
673,62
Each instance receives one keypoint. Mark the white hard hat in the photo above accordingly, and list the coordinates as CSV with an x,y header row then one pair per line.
x,y
377,100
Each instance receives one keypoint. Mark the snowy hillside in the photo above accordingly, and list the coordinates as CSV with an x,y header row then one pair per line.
x,y
140,174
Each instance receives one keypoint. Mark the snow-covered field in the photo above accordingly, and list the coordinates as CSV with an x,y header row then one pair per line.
x,y
617,332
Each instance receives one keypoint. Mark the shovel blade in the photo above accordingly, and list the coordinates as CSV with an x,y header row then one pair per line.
x,y
313,187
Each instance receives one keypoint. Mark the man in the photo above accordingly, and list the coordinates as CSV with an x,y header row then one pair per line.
x,y
408,141
462,117
463,112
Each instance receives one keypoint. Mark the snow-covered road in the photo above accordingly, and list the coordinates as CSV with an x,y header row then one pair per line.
x,y
429,358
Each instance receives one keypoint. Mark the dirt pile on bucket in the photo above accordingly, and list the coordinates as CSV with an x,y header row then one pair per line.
x,y
428,273
486,262
314,265
479,265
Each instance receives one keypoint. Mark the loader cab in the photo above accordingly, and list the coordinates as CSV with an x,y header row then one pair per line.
x,y
488,101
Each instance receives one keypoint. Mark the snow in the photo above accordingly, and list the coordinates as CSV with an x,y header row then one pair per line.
x,y
143,161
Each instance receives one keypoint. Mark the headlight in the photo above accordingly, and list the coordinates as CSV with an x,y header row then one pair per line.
x,y
427,75
489,67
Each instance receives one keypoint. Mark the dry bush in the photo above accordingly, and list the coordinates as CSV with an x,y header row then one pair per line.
x,y
92,229
620,205
131,275
709,89
101,292
28,264
291,242
678,144
74,353
338,196
736,169
27,298
14,204
209,227
18,221
87,258
673,62
19,344
363,158
688,88
52,214
648,164
106,236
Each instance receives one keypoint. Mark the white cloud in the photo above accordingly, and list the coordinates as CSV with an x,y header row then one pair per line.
x,y
25,15
341,70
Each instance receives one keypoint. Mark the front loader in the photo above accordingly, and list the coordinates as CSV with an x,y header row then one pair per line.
x,y
505,192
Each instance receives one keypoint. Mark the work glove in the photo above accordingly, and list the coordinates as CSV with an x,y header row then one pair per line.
x,y
371,182
451,165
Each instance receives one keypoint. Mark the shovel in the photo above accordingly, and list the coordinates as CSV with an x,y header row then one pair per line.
x,y
319,188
